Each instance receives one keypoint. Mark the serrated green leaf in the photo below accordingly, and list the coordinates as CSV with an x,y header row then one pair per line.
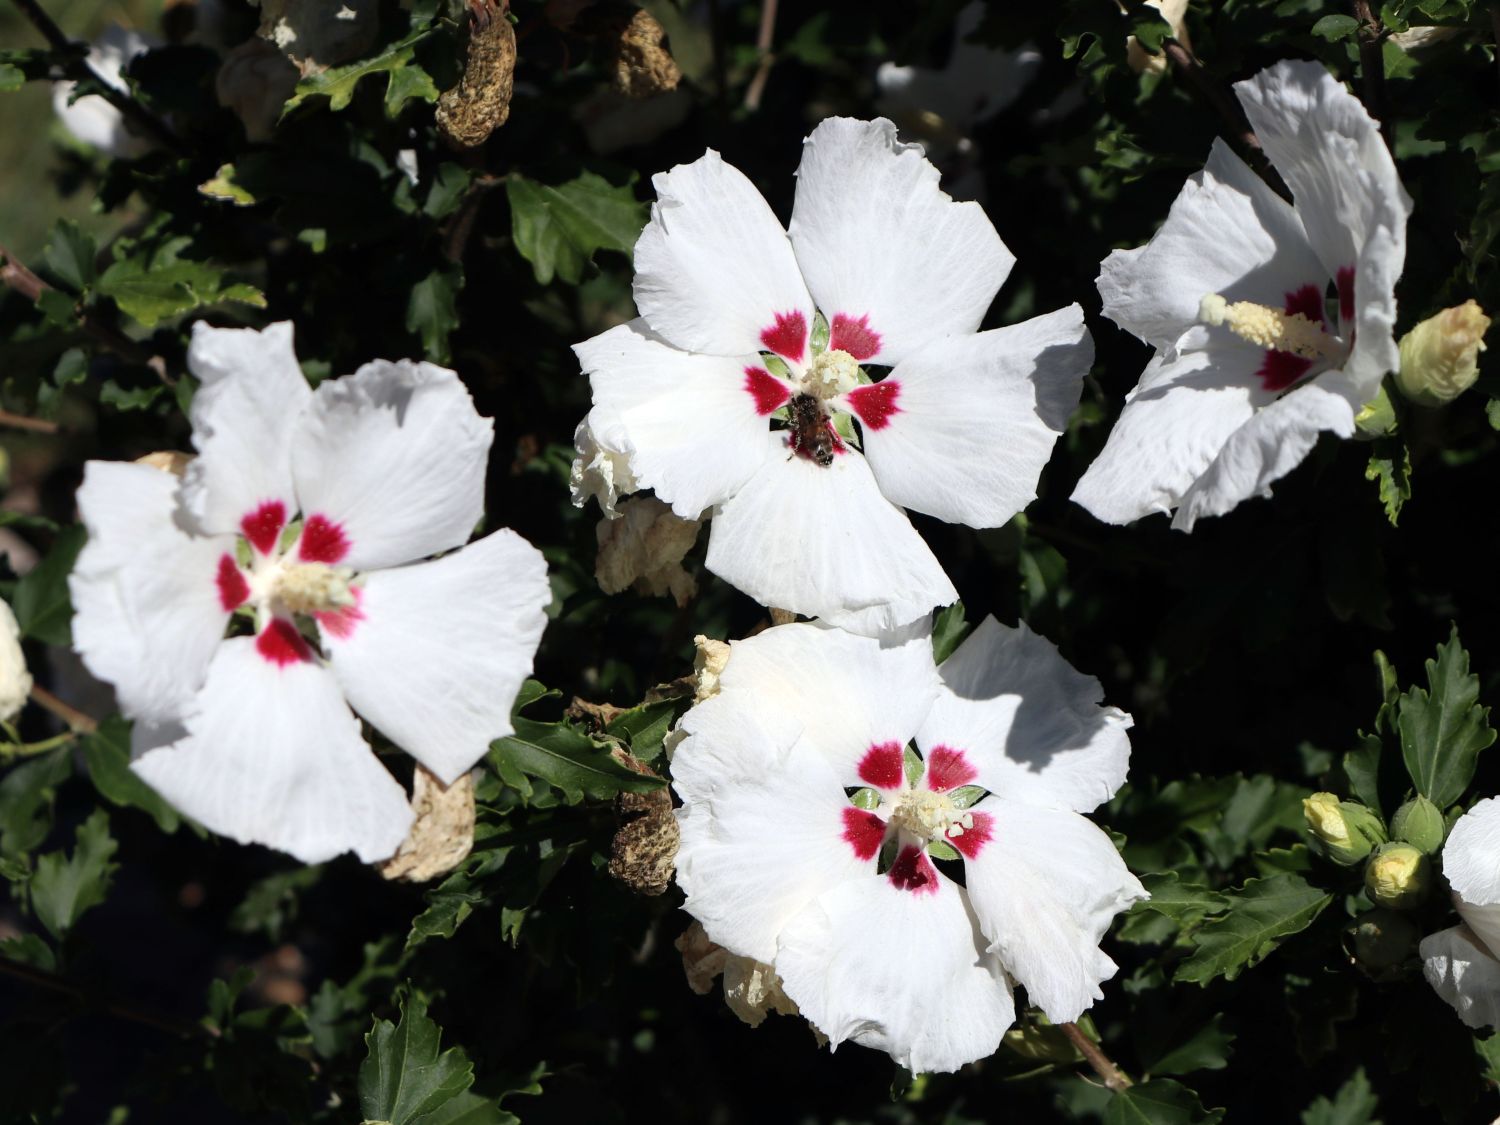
x,y
337,84
1208,1048
149,290
1185,903
643,728
1362,768
1335,27
948,631
41,603
1354,1104
1261,914
1393,472
470,1109
107,752
408,81
1444,729
558,229
404,1078
1159,1102
26,800
432,310
29,949
70,254
64,886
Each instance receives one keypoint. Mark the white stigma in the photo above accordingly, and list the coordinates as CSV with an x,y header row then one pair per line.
x,y
314,587
1270,328
831,373
932,816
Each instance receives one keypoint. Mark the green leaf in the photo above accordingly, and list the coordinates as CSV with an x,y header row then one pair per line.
x,y
270,905
1354,1104
1492,412
1335,27
337,83
1261,915
949,631
403,1078
26,800
643,728
71,253
63,886
1158,1102
41,603
12,78
1184,903
1444,729
1208,1048
107,752
470,1109
558,229
432,310
1393,472
149,289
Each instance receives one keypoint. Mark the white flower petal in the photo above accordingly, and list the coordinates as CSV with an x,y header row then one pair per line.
x,y
962,428
1464,973
901,971
602,467
244,417
1482,918
1375,351
273,756
1268,446
714,271
148,610
1330,153
435,652
883,248
823,542
1174,424
1028,722
1045,887
763,825
15,680
693,428
393,460
1471,857
1227,233
92,119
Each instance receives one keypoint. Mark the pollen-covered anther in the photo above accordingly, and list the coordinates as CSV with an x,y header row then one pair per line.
x,y
315,588
961,825
832,373
929,815
1269,328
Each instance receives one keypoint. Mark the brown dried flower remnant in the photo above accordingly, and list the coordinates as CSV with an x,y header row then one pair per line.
x,y
480,103
751,989
441,836
637,58
644,853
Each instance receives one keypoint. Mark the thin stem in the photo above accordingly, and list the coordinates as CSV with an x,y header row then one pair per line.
x,y
107,1004
1114,1078
1372,65
12,750
77,721
78,68
22,422
763,41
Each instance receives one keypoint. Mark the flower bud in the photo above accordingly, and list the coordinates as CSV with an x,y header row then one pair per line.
x,y
1440,356
1419,823
1347,830
1396,876
1381,940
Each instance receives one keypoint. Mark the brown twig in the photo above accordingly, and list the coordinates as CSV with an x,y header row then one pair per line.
x,y
763,41
76,719
457,230
107,1004
1114,1078
22,422
1372,65
78,68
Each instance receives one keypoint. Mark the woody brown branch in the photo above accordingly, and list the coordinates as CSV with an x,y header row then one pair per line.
x,y
1371,36
1114,1078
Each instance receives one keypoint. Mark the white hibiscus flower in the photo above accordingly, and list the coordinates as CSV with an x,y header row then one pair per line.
x,y
1251,361
91,118
303,517
1463,963
743,323
809,830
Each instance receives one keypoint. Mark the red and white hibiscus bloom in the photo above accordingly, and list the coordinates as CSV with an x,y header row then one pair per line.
x,y
303,521
1463,962
744,325
1272,322
829,773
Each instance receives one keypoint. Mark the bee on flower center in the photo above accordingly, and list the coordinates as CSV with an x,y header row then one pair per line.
x,y
812,435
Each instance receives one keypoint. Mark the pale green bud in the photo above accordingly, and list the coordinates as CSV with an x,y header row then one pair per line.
x,y
1377,417
1347,830
1440,356
1419,823
1396,876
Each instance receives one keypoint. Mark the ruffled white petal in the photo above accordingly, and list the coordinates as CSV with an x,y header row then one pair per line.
x,y
1269,446
439,649
1330,153
762,824
273,756
692,426
1375,351
1471,857
876,237
977,416
602,467
1045,888
147,611
1464,973
823,542
713,268
1174,424
849,692
395,456
244,418
901,972
1028,721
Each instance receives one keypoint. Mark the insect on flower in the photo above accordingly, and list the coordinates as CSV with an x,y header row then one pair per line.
x,y
812,431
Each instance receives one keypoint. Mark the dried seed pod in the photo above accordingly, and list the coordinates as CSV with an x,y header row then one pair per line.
x,y
644,852
638,61
480,103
